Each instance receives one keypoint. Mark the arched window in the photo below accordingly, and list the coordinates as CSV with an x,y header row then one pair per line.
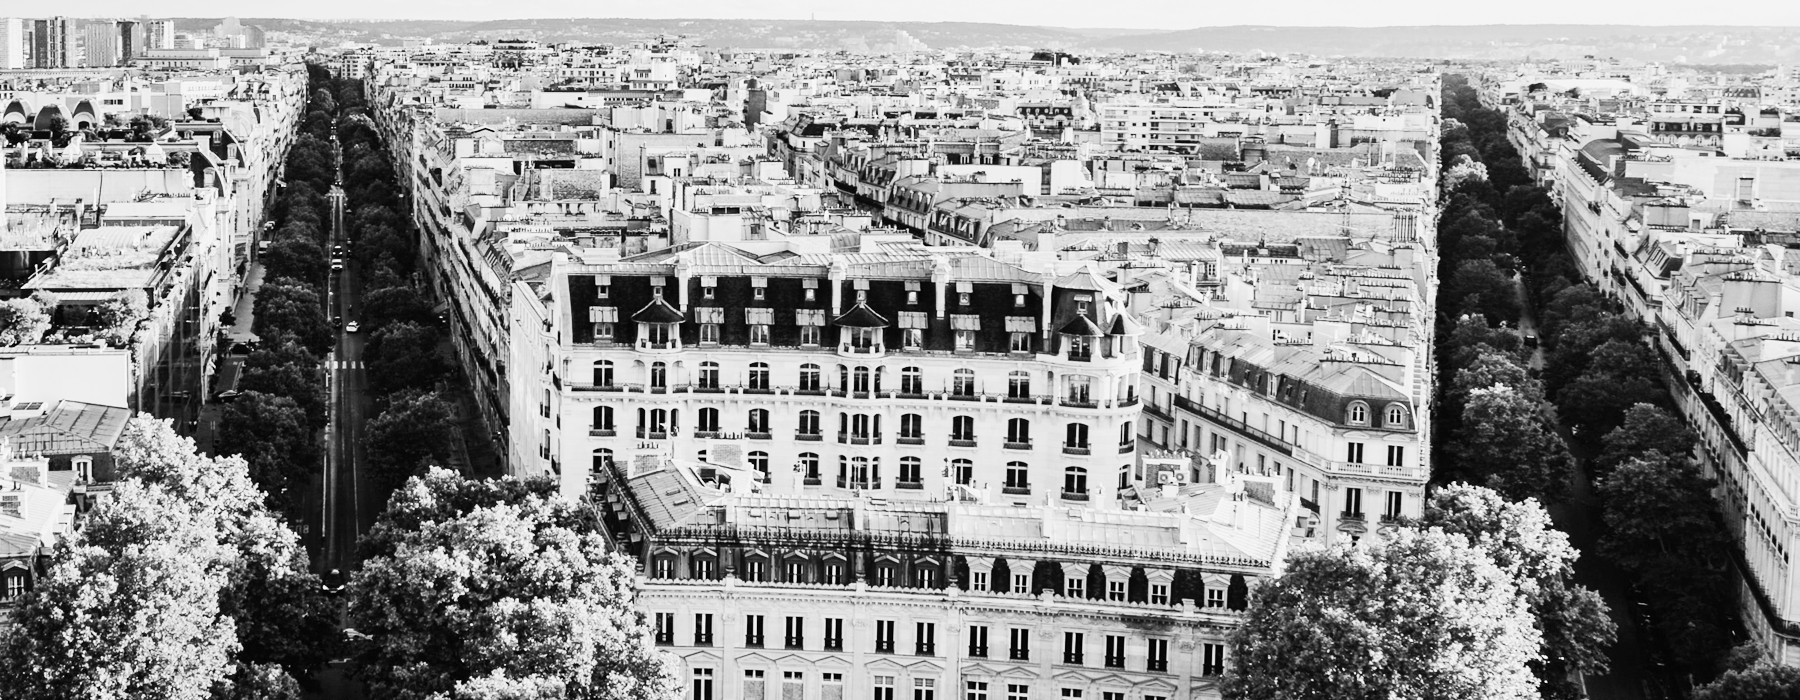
x,y
759,375
1358,413
912,426
1018,432
963,383
809,377
759,420
659,375
1075,481
912,381
1018,385
603,418
602,459
809,422
709,420
760,462
1018,475
962,428
962,471
809,466
1076,435
603,373
709,375
909,473
1396,416
862,380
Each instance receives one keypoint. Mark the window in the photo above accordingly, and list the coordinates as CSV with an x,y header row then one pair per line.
x,y
1215,597
978,641
603,291
809,465
912,426
603,418
603,373
753,684
754,570
1076,436
1396,416
796,632
1020,650
924,689
884,685
1071,693
834,573
753,630
884,636
1072,648
1159,594
665,568
1353,452
1019,342
708,421
1125,437
759,333
603,331
809,377
925,638
709,332
793,685
965,340
831,686
1115,651
1018,691
978,580
963,383
1353,502
1115,590
962,428
703,569
659,375
1359,413
702,684
1075,481
1018,431
708,292
1018,301
1157,655
1075,586
1396,455
909,470
758,420
1018,385
1212,660
759,461
884,575
809,335
809,422
962,298
665,628
1021,583
759,375
1395,501
962,471
975,690
759,293
1018,476
834,634
912,381
794,572
912,338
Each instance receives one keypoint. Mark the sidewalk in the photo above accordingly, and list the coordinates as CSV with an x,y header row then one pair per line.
x,y
230,366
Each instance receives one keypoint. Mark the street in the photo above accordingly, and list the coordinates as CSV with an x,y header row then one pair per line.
x,y
346,509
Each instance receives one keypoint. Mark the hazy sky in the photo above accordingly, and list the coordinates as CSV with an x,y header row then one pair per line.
x,y
1146,14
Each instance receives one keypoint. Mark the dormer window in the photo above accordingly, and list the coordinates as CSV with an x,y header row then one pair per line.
x,y
603,291
1018,301
962,298
758,293
708,292
811,294
1396,416
1081,307
862,296
1358,413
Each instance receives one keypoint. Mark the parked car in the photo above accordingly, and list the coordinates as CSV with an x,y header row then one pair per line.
x,y
332,583
227,396
352,327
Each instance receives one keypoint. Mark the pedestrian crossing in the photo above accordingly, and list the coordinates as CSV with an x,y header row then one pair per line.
x,y
347,364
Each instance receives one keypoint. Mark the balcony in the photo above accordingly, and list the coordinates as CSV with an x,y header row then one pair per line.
x,y
910,485
757,435
859,438
1073,450
1016,490
810,481
962,442
1152,409
962,396
1079,402
808,437
909,440
597,387
1271,441
597,432
1076,496
1019,445
859,484
710,435
652,434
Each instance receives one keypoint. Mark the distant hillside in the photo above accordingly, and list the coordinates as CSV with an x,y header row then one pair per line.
x,y
1694,44
1697,44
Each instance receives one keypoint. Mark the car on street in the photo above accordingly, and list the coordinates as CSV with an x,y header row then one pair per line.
x,y
332,583
1531,340
352,327
337,266
227,396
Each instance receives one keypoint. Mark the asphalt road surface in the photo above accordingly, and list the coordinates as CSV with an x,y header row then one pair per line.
x,y
348,508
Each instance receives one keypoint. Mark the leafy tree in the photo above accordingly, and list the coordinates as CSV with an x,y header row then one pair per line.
x,y
405,355
129,609
1506,445
1576,304
395,304
450,495
323,101
502,600
1482,288
1521,540
276,439
283,304
1621,373
23,321
258,682
416,430
1761,682
1425,616
119,315
1645,428
292,382
1493,369
296,258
